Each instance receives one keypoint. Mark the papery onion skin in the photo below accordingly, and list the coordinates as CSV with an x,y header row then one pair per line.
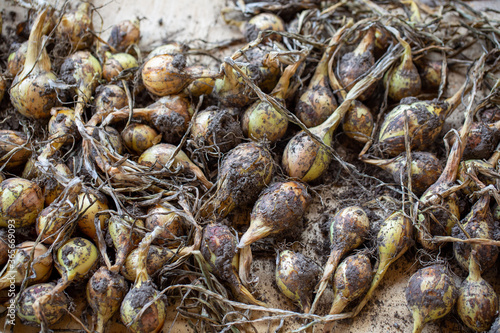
x,y
20,201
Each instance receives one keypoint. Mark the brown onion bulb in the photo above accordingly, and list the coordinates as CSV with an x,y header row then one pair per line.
x,y
157,258
20,201
262,22
481,141
14,149
296,276
15,62
231,90
279,208
105,292
125,236
201,86
124,34
244,172
139,137
52,311
75,27
164,214
38,270
109,97
358,122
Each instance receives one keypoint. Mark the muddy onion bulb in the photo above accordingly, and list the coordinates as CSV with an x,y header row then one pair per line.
x,y
14,149
75,27
296,276
125,34
431,294
139,137
21,201
116,63
52,311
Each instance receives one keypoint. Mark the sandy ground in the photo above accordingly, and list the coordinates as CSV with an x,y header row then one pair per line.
x,y
167,20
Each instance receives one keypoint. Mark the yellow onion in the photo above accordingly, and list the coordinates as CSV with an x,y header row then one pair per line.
x,y
262,121
134,313
52,188
358,122
14,149
62,130
404,80
53,223
139,137
477,303
425,122
280,207
52,311
244,172
116,63
431,294
425,169
109,97
76,27
393,240
15,62
477,224
20,201
105,292
33,92
124,34
125,236
75,259
167,74
164,214
39,268
160,154
349,228
216,129
263,22
169,49
296,276
82,70
218,248
89,204
317,103
354,65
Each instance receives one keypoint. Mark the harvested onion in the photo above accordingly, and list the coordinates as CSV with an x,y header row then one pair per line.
x,y
139,137
75,27
20,201
52,311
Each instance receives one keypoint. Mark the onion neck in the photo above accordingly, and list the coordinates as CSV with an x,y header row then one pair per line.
x,y
474,269
366,44
282,87
33,63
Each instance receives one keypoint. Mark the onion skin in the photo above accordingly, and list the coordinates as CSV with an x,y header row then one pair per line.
x,y
14,149
139,137
21,201
477,303
76,259
105,292
262,22
165,215
349,228
296,276
478,224
481,140
279,208
52,311
358,122
15,62
166,74
431,294
89,204
243,173
404,80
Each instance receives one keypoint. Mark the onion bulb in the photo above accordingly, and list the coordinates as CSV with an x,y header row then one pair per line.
x,y
20,201
477,303
279,208
105,292
116,63
425,169
393,240
52,311
481,140
244,172
39,268
33,93
125,34
15,62
160,154
218,248
262,22
349,228
164,214
231,90
14,149
431,294
125,236
89,204
139,137
296,276
75,27
358,122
